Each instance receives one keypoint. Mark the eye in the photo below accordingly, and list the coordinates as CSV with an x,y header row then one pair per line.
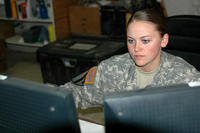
x,y
146,41
131,41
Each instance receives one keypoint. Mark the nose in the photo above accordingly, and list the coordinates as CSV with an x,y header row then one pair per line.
x,y
137,47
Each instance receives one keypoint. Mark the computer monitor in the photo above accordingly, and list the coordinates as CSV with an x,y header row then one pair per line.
x,y
167,109
30,107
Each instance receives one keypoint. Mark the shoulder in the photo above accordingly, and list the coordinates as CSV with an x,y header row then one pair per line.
x,y
117,60
176,62
175,70
115,66
178,67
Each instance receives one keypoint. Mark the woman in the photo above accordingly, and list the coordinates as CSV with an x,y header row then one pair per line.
x,y
144,65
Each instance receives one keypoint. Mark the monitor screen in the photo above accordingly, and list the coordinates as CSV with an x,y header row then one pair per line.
x,y
30,107
169,109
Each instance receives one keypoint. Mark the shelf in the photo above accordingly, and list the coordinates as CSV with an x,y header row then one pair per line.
x,y
32,20
57,21
16,42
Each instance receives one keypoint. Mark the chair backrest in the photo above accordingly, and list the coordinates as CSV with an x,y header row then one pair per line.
x,y
184,38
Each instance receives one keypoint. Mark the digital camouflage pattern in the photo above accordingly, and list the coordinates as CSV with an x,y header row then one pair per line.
x,y
118,74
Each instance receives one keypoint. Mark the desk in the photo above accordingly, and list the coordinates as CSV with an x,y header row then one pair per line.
x,y
94,115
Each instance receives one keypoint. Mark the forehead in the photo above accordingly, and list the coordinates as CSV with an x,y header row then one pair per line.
x,y
141,26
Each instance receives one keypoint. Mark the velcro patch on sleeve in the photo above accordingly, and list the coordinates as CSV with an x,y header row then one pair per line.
x,y
90,77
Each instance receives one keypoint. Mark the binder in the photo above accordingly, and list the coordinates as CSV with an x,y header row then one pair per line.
x,y
51,33
18,8
2,10
13,9
8,8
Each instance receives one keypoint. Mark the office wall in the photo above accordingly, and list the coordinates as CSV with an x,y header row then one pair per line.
x,y
182,7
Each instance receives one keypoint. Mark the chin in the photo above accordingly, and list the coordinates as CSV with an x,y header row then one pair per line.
x,y
139,63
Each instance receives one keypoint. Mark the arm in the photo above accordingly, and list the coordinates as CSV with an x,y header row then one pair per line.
x,y
85,93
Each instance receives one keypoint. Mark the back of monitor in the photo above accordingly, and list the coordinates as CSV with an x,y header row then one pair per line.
x,y
170,109
29,107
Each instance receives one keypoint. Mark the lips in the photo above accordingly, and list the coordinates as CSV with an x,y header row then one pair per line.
x,y
138,56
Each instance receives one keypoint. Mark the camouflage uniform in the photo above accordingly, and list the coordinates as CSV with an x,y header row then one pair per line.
x,y
118,74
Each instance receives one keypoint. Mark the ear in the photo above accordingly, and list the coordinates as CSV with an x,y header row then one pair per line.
x,y
165,40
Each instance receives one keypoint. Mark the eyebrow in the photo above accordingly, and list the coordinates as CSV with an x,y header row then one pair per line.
x,y
130,37
140,37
